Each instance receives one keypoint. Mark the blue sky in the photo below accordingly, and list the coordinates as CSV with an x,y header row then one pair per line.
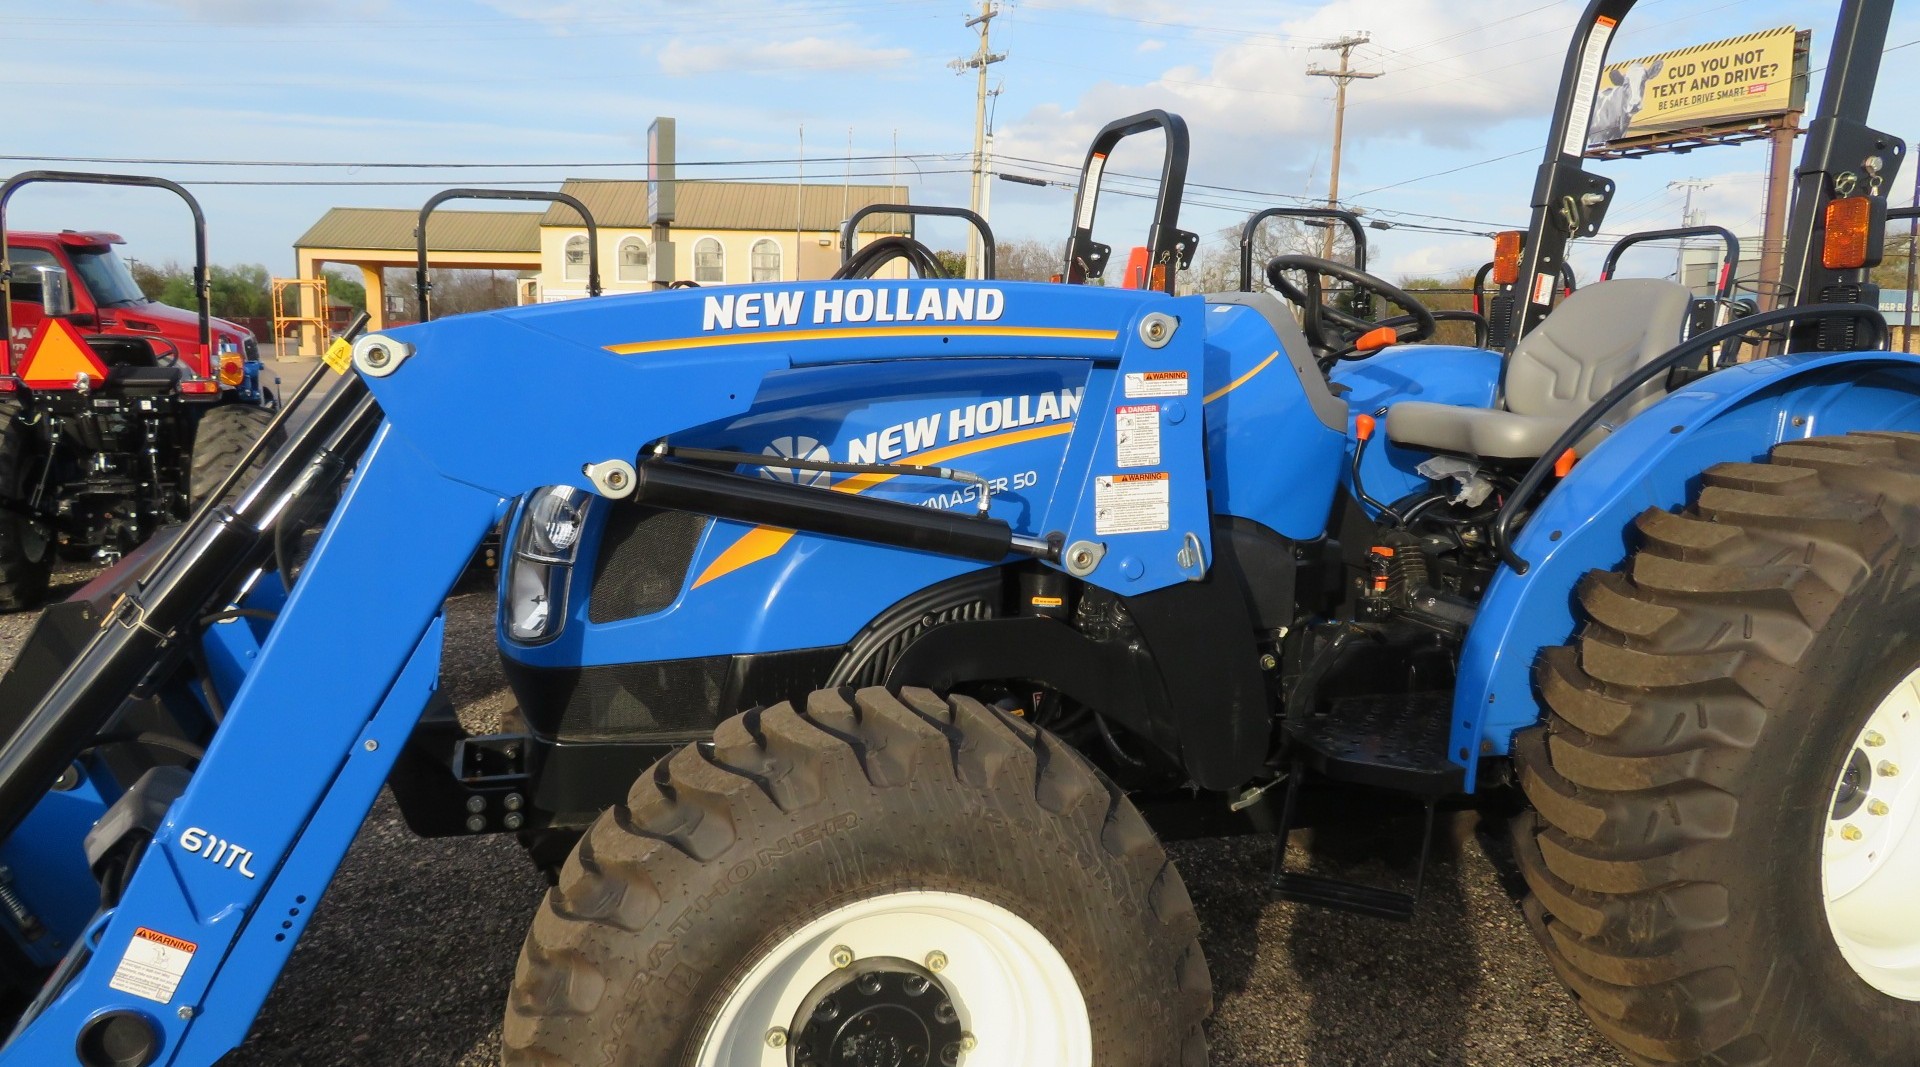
x,y
561,84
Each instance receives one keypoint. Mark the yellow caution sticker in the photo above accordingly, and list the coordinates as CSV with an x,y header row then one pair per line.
x,y
339,356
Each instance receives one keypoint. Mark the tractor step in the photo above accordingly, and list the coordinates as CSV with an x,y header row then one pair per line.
x,y
1396,743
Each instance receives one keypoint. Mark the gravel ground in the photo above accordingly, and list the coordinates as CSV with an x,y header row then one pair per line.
x,y
409,957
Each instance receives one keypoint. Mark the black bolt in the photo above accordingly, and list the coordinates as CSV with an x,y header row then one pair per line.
x,y
915,985
944,1012
827,1011
950,1055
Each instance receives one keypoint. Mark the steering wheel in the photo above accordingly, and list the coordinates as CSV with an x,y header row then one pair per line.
x,y
1335,334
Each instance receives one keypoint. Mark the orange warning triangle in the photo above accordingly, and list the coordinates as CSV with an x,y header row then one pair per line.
x,y
58,356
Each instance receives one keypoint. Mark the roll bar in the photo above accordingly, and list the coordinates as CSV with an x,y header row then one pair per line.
x,y
849,230
1729,259
1167,244
422,287
1252,227
201,293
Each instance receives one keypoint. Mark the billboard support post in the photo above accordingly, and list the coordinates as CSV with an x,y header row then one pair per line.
x,y
1773,247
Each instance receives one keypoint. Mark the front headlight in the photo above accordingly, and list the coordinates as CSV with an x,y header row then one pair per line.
x,y
541,568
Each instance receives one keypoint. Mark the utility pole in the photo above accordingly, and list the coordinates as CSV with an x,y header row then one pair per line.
x,y
1341,77
979,61
1686,219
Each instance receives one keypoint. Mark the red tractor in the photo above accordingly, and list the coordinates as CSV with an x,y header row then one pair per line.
x,y
116,411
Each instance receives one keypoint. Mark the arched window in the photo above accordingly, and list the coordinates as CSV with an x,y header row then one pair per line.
x,y
633,260
709,262
576,258
766,260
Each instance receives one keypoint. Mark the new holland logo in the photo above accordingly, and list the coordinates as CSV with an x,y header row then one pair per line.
x,y
805,448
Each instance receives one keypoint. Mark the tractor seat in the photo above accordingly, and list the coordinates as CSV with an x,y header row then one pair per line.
x,y
1596,338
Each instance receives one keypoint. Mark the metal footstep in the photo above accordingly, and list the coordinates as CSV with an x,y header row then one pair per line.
x,y
1342,895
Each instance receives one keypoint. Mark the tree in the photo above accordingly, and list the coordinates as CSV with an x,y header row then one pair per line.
x,y
953,263
243,291
455,292
1217,268
1030,260
344,290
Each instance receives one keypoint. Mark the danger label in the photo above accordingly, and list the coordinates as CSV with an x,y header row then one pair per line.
x,y
1156,383
1136,437
153,965
1131,503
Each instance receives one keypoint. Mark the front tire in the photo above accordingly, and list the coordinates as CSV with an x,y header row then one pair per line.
x,y
1692,779
26,549
892,841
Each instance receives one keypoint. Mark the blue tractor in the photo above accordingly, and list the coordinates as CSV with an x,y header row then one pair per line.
x,y
866,635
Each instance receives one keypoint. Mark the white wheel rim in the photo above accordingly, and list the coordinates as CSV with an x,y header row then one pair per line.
x,y
1870,856
1015,996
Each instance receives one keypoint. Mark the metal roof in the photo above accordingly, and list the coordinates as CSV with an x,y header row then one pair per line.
x,y
761,206
447,231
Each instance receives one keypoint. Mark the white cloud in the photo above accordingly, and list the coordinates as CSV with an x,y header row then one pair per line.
x,y
680,59
1150,45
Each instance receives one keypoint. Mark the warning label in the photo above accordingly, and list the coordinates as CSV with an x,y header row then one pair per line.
x,y
1136,438
1156,383
339,356
153,965
1543,288
1131,503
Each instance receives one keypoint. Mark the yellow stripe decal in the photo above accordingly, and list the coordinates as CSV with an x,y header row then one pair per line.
x,y
763,541
1240,381
1060,333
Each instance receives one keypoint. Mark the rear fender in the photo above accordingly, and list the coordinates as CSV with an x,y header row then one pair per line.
x,y
1654,461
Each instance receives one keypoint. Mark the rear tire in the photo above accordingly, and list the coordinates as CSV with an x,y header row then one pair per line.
x,y
1685,779
223,436
26,549
656,946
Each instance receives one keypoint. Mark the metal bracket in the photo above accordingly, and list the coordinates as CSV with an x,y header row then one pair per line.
x,y
612,478
1192,557
377,355
1083,556
1157,329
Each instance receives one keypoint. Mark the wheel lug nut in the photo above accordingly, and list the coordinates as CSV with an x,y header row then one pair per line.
x,y
936,961
1878,807
777,1037
842,956
1887,769
1851,832
968,1042
1874,740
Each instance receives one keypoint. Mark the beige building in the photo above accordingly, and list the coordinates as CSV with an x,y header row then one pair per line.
x,y
723,233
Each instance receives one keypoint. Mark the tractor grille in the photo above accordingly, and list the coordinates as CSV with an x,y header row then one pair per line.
x,y
623,701
644,556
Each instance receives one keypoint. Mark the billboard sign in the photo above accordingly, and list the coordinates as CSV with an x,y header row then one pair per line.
x,y
1725,83
660,168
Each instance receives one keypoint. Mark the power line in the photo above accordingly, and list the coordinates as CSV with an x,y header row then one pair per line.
x,y
369,165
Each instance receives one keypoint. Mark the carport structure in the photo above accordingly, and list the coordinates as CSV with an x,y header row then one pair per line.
x,y
373,239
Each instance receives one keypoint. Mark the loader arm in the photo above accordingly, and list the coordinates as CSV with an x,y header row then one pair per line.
x,y
188,955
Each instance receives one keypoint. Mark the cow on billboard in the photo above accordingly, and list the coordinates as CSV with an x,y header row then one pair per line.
x,y
1614,109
